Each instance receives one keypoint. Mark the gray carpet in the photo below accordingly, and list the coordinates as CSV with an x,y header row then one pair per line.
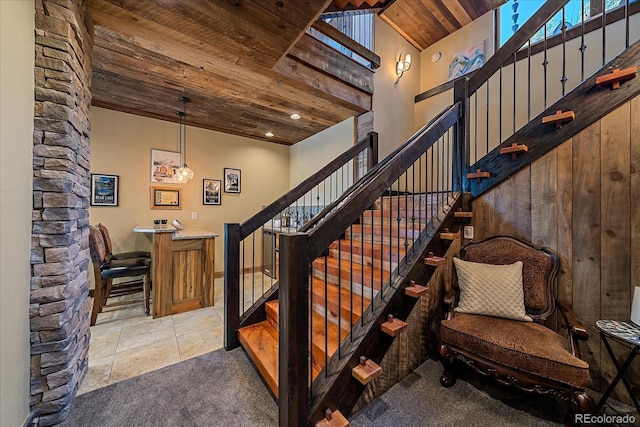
x,y
222,389
216,389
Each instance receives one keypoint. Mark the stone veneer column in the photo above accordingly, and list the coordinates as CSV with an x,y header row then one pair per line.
x,y
60,308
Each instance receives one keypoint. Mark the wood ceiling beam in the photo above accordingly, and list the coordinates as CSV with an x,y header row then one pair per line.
x,y
442,14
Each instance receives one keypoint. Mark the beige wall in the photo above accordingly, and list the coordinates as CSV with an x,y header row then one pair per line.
x,y
436,73
16,136
308,156
393,104
121,145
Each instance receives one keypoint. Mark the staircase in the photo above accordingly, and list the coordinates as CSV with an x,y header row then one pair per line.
x,y
344,281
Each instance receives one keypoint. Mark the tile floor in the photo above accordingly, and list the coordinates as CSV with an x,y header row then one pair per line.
x,y
125,343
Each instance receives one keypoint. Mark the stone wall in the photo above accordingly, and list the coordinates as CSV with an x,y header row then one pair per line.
x,y
60,308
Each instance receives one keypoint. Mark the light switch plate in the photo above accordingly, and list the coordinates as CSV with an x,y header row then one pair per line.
x,y
194,215
468,232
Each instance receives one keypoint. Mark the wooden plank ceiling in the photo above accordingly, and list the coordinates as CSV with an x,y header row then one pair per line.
x,y
247,65
424,22
232,58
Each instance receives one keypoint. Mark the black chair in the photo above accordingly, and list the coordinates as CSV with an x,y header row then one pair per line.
x,y
122,255
106,270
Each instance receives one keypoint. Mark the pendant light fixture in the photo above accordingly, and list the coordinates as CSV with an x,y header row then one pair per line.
x,y
184,174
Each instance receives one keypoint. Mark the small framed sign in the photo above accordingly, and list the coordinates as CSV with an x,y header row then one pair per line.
x,y
166,198
104,189
231,180
211,191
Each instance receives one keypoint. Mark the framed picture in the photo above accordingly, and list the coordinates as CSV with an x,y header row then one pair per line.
x,y
166,198
164,165
231,180
104,189
211,191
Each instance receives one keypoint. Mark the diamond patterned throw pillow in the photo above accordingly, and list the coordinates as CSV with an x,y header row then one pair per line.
x,y
491,290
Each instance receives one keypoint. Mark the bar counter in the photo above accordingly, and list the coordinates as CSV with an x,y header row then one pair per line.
x,y
183,266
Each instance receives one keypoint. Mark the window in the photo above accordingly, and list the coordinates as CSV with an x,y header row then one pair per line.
x,y
514,13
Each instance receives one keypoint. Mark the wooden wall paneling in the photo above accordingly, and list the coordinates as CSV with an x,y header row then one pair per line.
x,y
504,205
615,227
162,273
483,216
564,205
522,215
586,241
635,216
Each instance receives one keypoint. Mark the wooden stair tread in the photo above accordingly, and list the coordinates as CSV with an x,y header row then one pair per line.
x,y
317,337
332,292
386,231
372,275
259,342
375,249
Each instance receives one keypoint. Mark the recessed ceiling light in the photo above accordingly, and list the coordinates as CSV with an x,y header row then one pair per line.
x,y
295,116
268,134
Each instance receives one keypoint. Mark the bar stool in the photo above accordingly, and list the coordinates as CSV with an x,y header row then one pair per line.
x,y
105,271
122,255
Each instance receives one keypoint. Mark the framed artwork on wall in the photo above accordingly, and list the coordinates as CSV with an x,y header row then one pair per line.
x,y
166,198
231,180
211,191
164,165
104,189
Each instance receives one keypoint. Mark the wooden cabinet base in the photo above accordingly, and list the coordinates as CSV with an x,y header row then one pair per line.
x,y
182,274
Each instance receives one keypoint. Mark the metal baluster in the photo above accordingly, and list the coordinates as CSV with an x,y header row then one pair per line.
x,y
563,80
604,32
420,191
487,141
326,317
361,273
499,110
475,120
351,283
363,264
242,273
529,81
544,64
413,209
583,46
626,18
514,92
406,212
253,268
339,296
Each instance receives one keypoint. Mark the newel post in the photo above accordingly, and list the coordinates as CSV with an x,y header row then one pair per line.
x,y
461,148
372,155
293,359
232,238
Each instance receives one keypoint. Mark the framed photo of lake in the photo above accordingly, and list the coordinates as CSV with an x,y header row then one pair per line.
x,y
231,180
211,191
164,165
104,189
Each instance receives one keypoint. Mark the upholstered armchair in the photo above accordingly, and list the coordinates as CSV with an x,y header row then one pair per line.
x,y
511,344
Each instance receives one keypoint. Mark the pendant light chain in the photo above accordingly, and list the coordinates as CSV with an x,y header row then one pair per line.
x,y
184,173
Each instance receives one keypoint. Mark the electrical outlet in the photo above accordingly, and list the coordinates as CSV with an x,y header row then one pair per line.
x,y
194,215
468,232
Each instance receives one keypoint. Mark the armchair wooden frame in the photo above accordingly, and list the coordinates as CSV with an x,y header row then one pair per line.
x,y
505,250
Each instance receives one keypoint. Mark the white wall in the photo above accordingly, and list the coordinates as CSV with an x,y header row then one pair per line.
x,y
121,145
436,73
16,147
393,104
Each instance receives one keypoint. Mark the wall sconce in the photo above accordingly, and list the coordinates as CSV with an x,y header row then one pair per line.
x,y
402,65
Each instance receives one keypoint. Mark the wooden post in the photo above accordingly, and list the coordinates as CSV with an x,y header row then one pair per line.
x,y
461,148
372,155
232,238
293,359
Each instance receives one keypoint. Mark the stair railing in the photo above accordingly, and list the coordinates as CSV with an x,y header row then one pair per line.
x,y
500,98
246,287
413,188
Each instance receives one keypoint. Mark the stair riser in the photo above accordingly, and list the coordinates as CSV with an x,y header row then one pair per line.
x,y
410,221
385,240
392,231
370,251
359,286
366,260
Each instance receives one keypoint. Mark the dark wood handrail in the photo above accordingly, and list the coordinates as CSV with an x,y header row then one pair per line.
x,y
512,45
367,177
346,41
259,219
336,222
